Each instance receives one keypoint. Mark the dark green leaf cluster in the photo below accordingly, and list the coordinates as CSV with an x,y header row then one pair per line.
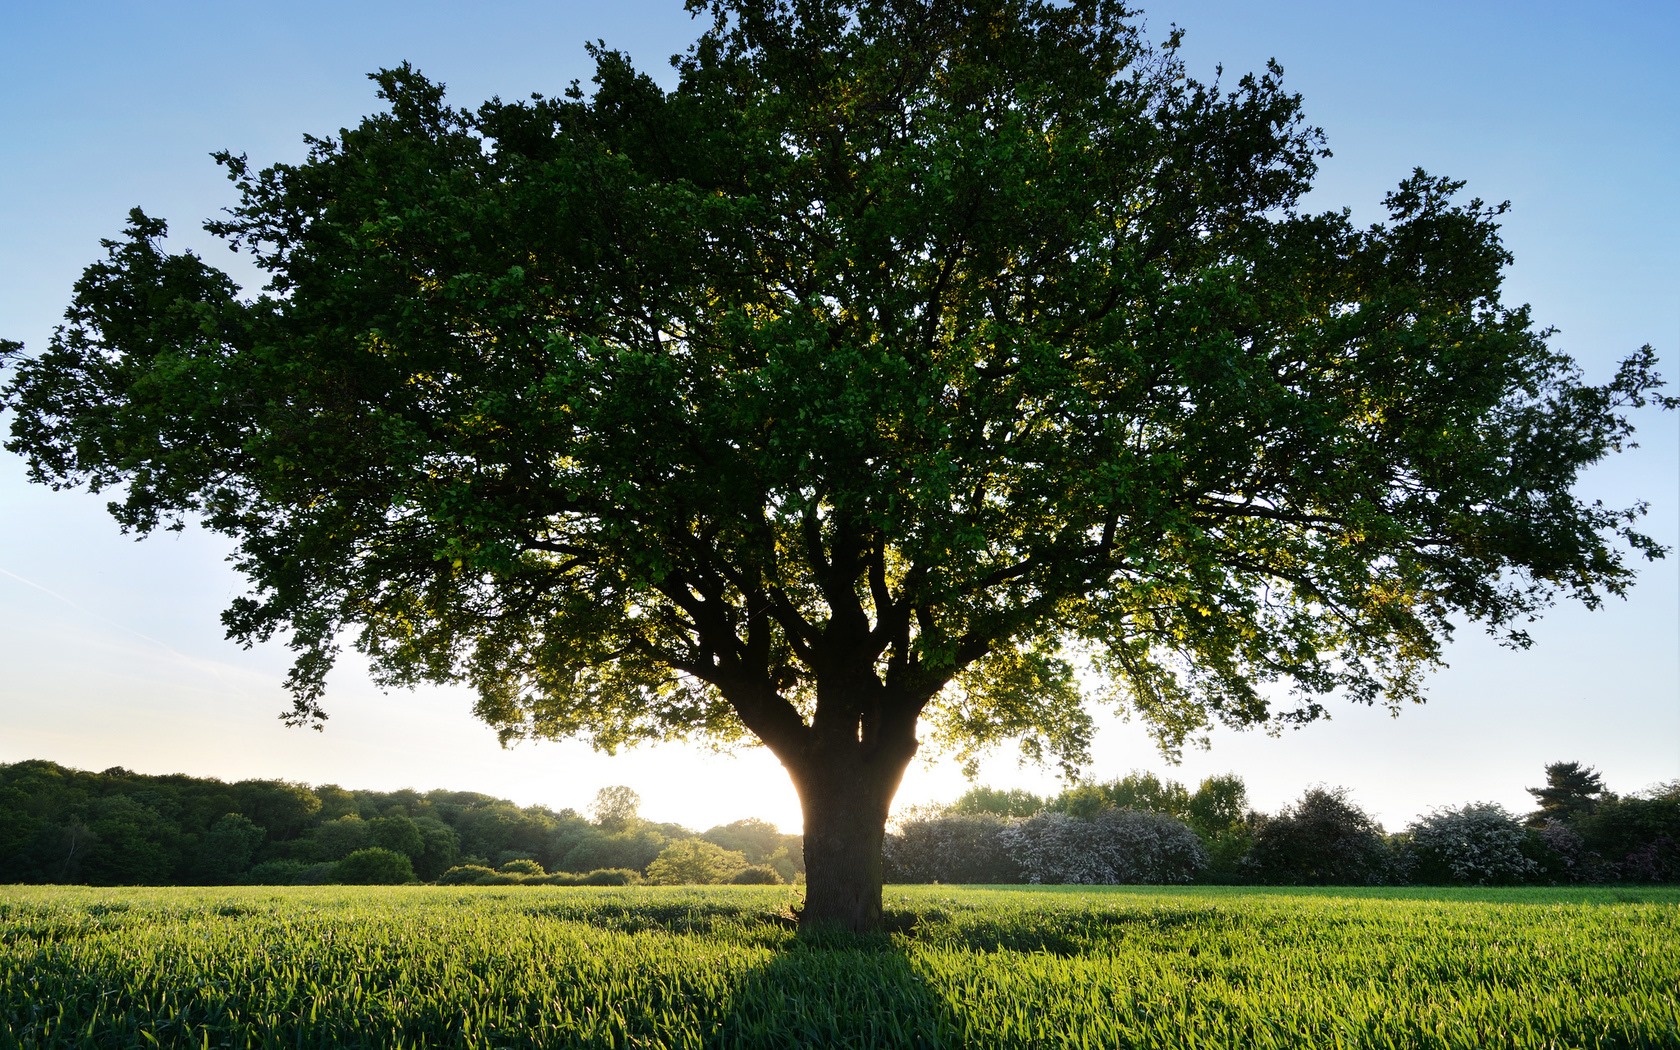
x,y
1572,791
374,866
1323,839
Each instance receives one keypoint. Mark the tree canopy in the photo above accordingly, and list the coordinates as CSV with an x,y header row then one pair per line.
x,y
615,807
1572,791
905,364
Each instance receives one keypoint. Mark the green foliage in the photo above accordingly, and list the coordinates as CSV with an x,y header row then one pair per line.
x,y
537,966
51,812
336,802
611,877
762,843
1637,836
282,809
374,866
1218,812
522,867
756,875
18,826
615,808
227,848
321,873
337,839
1324,839
753,838
399,834
466,875
440,847
490,827
930,848
1137,790
276,873
126,843
511,878
1227,856
1572,791
694,862
1013,802
629,849
788,862
1220,805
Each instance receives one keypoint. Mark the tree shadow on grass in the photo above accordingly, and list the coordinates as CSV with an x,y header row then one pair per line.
x,y
831,989
835,990
685,914
1065,933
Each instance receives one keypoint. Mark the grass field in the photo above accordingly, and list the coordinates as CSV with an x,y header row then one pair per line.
x,y
977,967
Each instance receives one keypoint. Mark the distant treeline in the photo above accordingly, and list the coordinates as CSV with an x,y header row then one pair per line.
x,y
1143,829
60,825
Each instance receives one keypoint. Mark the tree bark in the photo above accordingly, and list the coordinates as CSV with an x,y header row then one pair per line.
x,y
845,791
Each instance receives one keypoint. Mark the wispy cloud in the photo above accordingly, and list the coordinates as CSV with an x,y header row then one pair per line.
x,y
101,617
226,675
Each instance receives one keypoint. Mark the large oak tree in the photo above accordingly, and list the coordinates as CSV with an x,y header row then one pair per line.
x,y
909,363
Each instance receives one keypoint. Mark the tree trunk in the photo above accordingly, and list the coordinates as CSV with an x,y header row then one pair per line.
x,y
845,792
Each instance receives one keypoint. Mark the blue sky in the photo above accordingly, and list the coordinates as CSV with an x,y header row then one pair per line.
x,y
111,652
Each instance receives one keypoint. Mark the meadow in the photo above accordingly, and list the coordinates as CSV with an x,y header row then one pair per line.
x,y
720,967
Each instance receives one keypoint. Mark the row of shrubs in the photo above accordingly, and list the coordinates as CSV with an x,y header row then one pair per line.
x,y
376,866
686,862
529,873
515,873
1323,839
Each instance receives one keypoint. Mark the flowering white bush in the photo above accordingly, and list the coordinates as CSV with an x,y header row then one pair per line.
x,y
1115,846
1479,844
1057,848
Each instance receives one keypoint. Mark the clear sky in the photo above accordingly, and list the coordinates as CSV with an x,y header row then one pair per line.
x,y
111,651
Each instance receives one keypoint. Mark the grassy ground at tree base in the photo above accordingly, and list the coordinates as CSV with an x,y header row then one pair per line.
x,y
964,966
